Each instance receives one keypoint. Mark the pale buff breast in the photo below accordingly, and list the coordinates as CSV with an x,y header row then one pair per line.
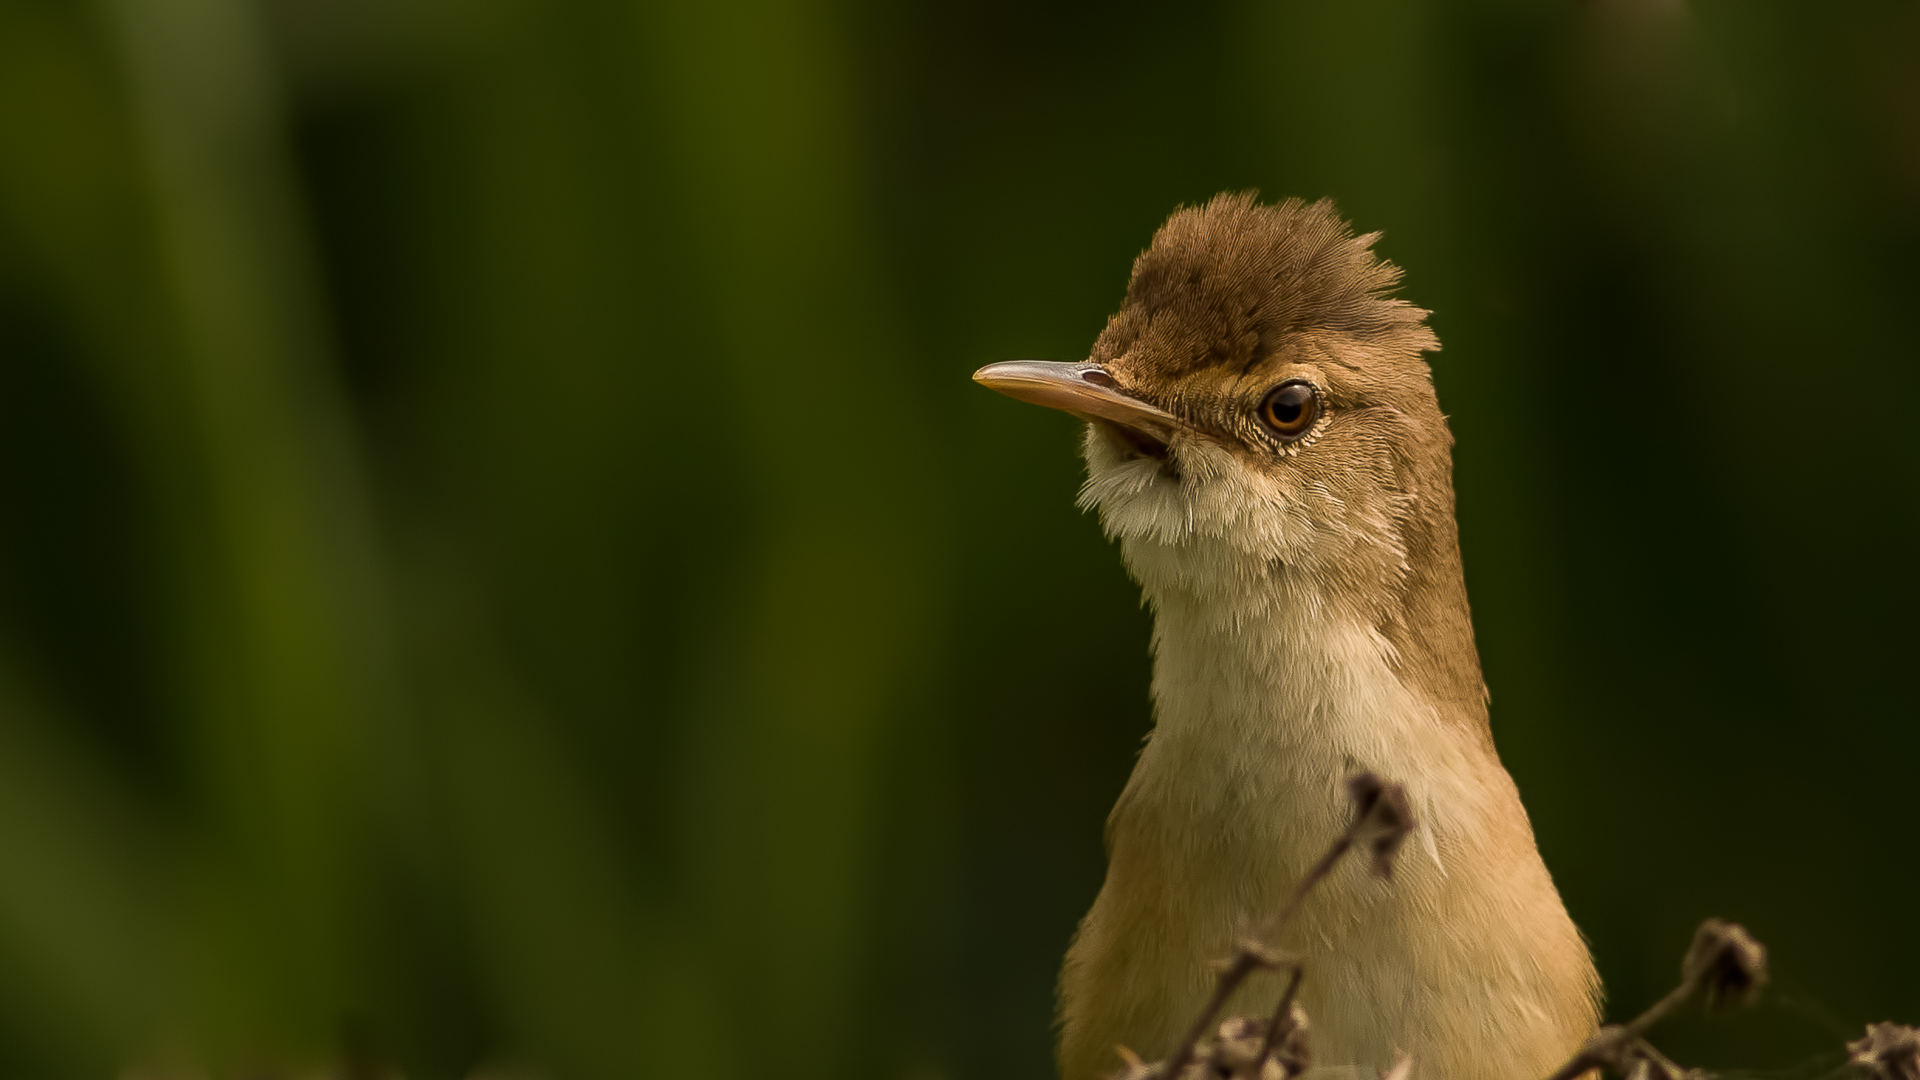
x,y
1466,959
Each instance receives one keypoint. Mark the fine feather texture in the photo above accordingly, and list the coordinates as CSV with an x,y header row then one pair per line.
x,y
1223,284
1310,622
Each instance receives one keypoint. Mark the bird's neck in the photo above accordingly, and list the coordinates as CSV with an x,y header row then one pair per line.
x,y
1272,687
1272,683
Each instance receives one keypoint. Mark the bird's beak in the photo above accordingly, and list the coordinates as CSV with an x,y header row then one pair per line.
x,y
1085,390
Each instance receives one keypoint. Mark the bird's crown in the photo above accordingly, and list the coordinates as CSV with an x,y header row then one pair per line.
x,y
1225,284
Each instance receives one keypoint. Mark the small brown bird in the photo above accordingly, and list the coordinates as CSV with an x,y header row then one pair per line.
x,y
1264,442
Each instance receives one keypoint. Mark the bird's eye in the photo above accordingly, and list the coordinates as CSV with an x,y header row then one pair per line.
x,y
1290,410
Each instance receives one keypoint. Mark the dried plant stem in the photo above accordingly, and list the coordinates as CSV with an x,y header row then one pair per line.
x,y
1245,960
1724,961
1604,1048
1253,954
1282,1015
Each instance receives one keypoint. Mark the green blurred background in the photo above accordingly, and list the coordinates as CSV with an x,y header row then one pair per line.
x,y
501,563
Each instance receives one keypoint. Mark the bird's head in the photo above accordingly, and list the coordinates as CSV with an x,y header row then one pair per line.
x,y
1257,393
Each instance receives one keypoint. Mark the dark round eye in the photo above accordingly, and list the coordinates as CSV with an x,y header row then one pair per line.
x,y
1290,409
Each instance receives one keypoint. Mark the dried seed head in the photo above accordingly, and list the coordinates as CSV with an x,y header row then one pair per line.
x,y
1889,1052
1291,1052
1256,952
1643,1062
1232,1054
1236,1053
1132,1067
1382,818
1726,962
1607,1048
1645,1069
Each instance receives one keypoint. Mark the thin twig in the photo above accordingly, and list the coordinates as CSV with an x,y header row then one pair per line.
x,y
1282,1019
1252,954
1604,1048
1244,961
1724,960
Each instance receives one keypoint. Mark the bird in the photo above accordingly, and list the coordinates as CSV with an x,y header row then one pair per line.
x,y
1263,441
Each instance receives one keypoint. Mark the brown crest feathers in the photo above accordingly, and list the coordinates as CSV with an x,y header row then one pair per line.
x,y
1226,282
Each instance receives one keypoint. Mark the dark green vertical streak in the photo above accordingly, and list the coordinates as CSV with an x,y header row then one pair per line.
x,y
813,646
81,967
279,617
554,521
80,972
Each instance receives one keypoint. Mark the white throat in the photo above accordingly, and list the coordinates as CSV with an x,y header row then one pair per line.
x,y
1269,689
1269,693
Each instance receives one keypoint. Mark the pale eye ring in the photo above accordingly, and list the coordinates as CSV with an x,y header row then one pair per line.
x,y
1290,409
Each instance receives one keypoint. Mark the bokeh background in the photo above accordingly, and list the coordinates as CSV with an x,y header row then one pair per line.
x,y
502,566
